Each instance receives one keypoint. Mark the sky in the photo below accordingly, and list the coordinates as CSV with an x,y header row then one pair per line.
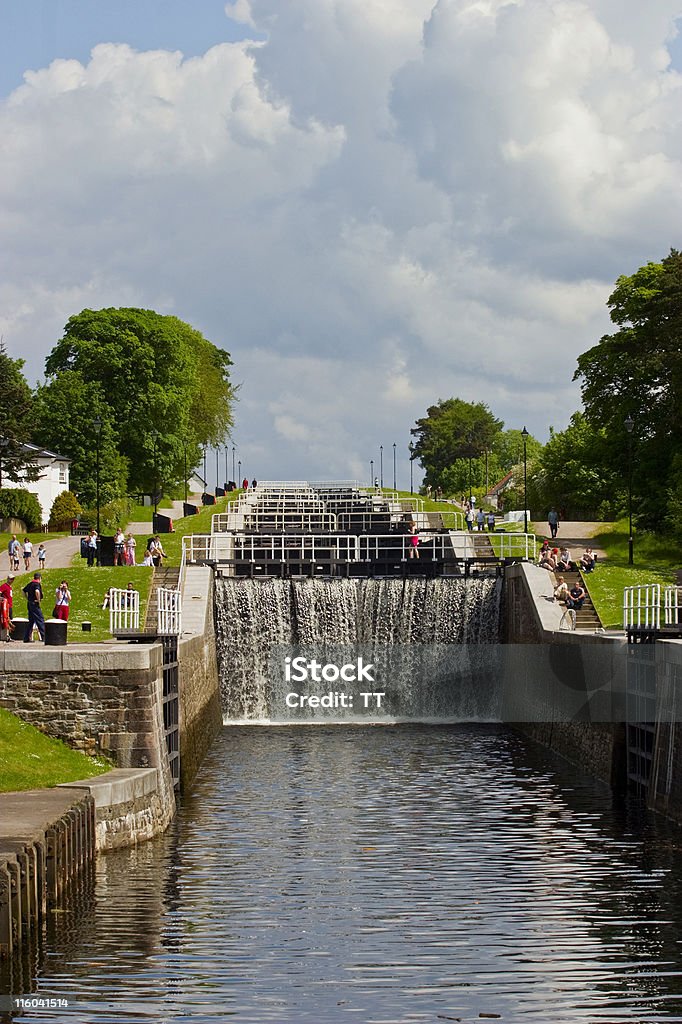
x,y
371,204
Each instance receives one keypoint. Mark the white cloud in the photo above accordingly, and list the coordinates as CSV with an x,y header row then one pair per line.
x,y
384,203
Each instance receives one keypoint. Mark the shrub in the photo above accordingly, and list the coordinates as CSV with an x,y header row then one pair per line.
x,y
16,503
65,508
114,513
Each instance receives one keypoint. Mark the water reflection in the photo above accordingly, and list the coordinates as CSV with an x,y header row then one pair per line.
x,y
385,875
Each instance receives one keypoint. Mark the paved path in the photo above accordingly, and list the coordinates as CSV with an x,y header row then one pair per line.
x,y
576,536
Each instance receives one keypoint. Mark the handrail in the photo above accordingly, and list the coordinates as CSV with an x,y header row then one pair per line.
x,y
672,603
169,612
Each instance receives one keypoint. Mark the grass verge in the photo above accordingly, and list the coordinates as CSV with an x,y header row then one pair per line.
x,y
31,760
88,587
655,561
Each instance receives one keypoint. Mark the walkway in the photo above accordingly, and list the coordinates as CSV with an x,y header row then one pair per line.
x,y
576,536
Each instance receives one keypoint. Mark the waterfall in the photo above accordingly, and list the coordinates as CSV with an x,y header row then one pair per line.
x,y
432,644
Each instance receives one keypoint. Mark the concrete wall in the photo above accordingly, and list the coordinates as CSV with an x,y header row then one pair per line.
x,y
530,617
665,791
131,806
200,711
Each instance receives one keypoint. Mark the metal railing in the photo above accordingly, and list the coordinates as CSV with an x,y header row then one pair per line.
x,y
512,545
124,610
642,606
169,612
291,547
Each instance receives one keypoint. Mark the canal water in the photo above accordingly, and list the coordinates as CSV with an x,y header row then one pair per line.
x,y
383,875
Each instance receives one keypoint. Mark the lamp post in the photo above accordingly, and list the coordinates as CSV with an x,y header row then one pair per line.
x,y
184,453
629,424
205,475
381,466
371,472
97,427
155,436
394,476
524,435
233,473
411,447
217,468
470,439
226,480
239,466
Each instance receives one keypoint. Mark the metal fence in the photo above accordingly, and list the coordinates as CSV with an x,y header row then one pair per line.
x,y
169,612
642,606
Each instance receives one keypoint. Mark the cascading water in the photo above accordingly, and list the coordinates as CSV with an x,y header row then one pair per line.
x,y
432,644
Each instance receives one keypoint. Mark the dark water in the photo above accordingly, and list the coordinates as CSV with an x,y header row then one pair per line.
x,y
381,875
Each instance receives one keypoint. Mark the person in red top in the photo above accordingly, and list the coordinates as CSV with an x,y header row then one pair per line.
x,y
6,589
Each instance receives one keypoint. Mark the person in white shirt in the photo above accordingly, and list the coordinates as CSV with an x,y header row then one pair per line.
x,y
28,553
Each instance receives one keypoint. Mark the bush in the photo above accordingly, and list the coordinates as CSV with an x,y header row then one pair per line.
x,y
114,513
65,508
16,503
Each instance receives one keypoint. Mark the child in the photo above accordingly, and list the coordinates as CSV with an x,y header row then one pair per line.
x,y
42,555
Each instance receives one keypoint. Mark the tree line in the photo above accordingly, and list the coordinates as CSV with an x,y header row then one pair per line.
x,y
146,390
627,433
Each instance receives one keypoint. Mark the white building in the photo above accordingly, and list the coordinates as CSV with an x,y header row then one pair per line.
x,y
53,479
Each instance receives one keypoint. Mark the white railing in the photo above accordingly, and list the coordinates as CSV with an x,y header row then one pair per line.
x,y
309,548
672,605
642,606
124,610
169,612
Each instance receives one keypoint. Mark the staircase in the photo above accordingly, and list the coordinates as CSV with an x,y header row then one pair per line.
x,y
587,617
167,579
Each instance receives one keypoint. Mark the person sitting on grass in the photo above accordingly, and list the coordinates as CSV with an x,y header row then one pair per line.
x,y
576,596
564,563
561,590
588,560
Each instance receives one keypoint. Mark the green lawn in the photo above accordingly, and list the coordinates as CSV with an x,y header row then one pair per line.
x,y
145,513
88,587
200,523
655,561
31,760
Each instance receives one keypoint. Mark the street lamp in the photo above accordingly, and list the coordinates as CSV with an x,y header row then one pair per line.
x,y
233,473
97,427
184,454
381,464
217,468
371,472
155,437
629,425
524,435
205,474
470,439
226,480
411,447
394,478
239,466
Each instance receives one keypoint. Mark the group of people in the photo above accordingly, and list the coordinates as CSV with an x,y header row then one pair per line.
x,y
560,559
124,549
16,551
480,518
33,592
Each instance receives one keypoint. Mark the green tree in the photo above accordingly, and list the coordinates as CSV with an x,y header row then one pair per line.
x,y
163,385
65,413
16,419
453,436
65,508
16,503
636,372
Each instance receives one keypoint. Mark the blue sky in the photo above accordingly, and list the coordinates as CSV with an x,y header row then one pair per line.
x,y
383,204
35,32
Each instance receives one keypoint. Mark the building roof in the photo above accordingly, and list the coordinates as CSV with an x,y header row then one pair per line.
x,y
44,453
502,484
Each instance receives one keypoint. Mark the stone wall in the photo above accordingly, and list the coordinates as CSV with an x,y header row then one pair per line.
x,y
665,791
98,699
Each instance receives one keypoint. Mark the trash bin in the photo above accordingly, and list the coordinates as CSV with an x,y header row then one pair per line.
x,y
189,510
55,632
105,550
84,547
162,523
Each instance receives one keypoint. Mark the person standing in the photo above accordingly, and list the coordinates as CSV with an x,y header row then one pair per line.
x,y
34,596
469,519
491,522
91,545
6,589
62,601
480,520
130,546
553,521
28,553
42,555
119,543
13,547
414,540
